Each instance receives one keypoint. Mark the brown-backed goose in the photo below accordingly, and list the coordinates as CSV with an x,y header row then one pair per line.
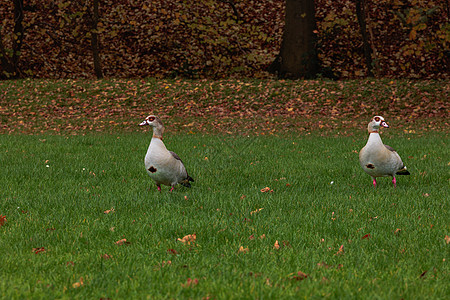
x,y
377,159
163,166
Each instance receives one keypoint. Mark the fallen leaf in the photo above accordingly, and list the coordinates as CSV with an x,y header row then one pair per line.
x,y
172,251
38,250
106,256
255,211
122,242
397,231
266,189
277,245
367,236
78,284
187,239
323,264
447,239
423,274
341,250
2,220
190,282
109,211
243,250
300,276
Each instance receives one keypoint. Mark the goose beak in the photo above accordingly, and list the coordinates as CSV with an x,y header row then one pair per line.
x,y
143,123
384,124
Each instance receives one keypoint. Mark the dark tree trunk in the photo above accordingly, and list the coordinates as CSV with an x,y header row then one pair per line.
x,y
95,43
10,66
298,55
361,15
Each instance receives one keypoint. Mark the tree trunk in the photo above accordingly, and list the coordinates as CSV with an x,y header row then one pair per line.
x,y
361,16
94,42
298,55
10,66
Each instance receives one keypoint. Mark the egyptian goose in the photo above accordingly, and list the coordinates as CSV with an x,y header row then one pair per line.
x,y
377,159
163,166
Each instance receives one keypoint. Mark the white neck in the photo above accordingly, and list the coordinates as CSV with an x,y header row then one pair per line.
x,y
374,138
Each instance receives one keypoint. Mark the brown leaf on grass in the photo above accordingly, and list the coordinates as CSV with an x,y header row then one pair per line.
x,y
78,283
2,220
323,264
397,231
106,256
188,239
423,274
276,245
70,264
38,250
266,190
172,251
300,276
256,211
122,242
447,239
341,250
190,283
109,211
243,250
367,236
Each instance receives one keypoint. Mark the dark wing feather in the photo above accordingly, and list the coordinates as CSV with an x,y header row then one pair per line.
x,y
389,148
175,156
188,178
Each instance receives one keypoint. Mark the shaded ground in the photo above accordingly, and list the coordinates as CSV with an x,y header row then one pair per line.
x,y
224,106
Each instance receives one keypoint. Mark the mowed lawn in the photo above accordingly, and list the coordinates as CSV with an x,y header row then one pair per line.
x,y
319,230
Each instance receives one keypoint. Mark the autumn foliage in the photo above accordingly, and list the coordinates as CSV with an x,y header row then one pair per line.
x,y
217,39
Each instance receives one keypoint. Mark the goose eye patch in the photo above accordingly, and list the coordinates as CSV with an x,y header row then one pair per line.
x,y
151,119
377,119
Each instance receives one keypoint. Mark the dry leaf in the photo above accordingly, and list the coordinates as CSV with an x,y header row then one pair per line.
x,y
397,231
109,211
300,276
263,236
341,250
38,250
122,242
447,239
172,251
266,189
190,282
255,211
78,284
187,239
243,250
106,256
2,220
277,245
367,236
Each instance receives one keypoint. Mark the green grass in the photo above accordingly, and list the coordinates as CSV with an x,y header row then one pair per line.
x,y
61,208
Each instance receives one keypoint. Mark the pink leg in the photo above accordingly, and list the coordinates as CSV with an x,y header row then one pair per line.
x,y
171,189
374,182
394,181
159,188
